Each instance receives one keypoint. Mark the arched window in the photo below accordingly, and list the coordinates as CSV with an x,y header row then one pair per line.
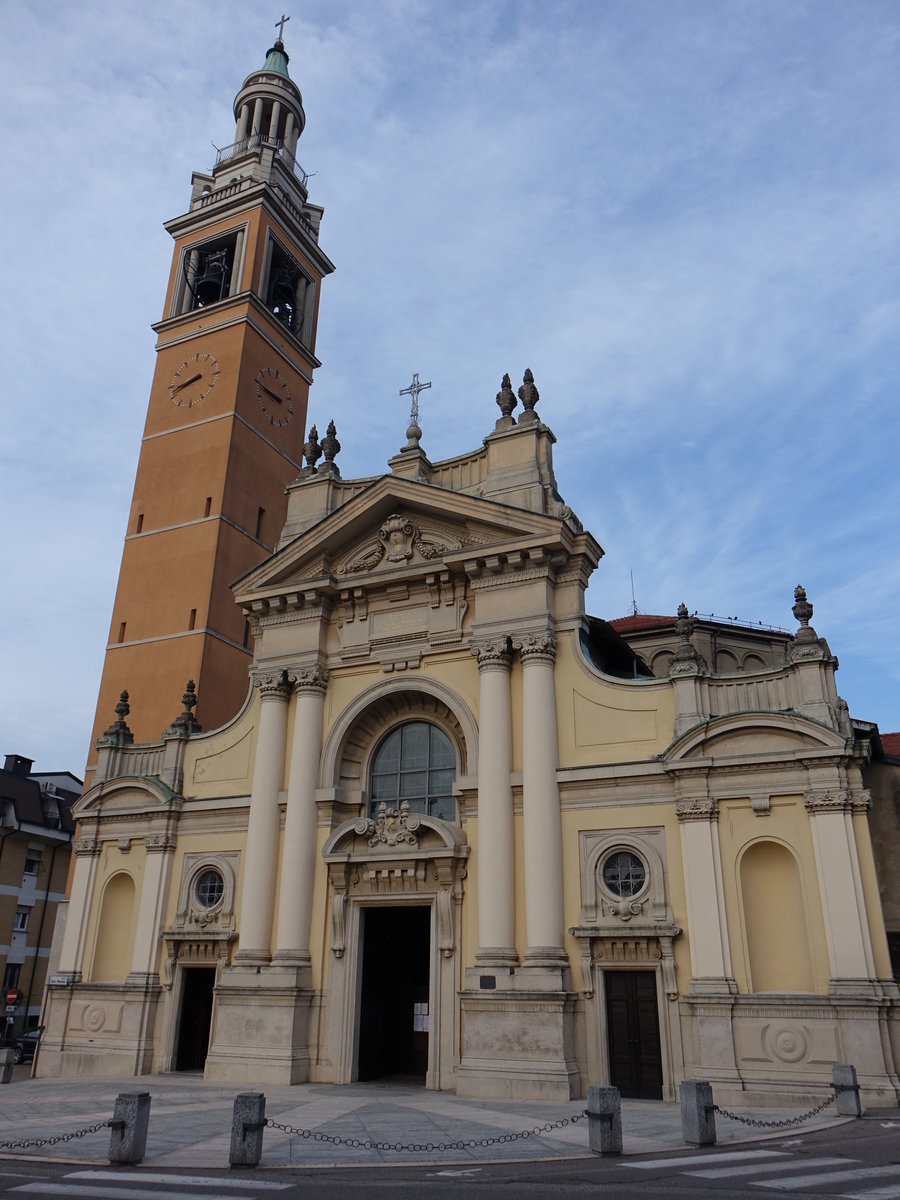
x,y
415,763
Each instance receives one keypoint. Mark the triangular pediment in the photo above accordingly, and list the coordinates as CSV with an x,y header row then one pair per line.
x,y
396,529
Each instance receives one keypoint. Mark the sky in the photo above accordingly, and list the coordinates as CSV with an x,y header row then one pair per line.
x,y
680,214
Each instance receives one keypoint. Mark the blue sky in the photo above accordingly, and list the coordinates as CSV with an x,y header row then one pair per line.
x,y
682,216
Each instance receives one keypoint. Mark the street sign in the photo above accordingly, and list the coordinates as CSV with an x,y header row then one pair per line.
x,y
12,996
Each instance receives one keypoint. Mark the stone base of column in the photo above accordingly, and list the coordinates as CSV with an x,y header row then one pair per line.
x,y
261,1025
504,958
252,958
519,1039
713,988
854,989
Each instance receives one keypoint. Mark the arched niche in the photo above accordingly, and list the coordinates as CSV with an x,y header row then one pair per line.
x,y
113,948
774,919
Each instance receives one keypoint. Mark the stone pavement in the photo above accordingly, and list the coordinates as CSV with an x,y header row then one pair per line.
x,y
190,1122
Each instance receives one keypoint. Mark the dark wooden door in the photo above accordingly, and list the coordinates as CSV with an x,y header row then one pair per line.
x,y
632,1022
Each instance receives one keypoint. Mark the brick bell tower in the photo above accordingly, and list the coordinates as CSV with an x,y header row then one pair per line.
x,y
226,417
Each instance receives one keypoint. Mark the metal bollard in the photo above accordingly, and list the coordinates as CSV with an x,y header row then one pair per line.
x,y
846,1090
7,1058
698,1113
247,1124
604,1110
131,1117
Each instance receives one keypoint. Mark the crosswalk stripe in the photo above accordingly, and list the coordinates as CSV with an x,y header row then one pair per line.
x,y
754,1168
91,1191
802,1181
691,1159
213,1181
891,1192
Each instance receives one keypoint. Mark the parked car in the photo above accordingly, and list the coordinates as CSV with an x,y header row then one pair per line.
x,y
27,1044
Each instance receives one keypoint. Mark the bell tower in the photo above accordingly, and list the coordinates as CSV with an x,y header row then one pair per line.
x,y
226,417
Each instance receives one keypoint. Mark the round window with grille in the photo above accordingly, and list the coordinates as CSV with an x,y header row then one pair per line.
x,y
623,874
209,889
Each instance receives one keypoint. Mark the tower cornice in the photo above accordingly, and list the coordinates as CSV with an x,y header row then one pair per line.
x,y
234,311
247,201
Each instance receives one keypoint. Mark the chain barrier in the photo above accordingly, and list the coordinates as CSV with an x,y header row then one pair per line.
x,y
785,1123
423,1147
27,1143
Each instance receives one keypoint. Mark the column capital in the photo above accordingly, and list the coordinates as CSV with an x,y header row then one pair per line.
x,y
827,800
700,808
309,680
85,847
160,842
492,654
272,684
536,647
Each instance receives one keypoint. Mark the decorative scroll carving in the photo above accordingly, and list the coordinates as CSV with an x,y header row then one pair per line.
x,y
86,846
397,539
392,827
492,653
536,647
703,808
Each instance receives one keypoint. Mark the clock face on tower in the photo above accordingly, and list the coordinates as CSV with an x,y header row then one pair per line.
x,y
194,379
274,397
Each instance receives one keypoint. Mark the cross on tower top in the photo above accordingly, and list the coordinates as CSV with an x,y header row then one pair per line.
x,y
413,390
281,24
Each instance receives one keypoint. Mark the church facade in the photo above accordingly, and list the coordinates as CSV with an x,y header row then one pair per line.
x,y
459,832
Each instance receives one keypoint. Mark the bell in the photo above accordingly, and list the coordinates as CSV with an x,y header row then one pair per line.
x,y
211,282
282,292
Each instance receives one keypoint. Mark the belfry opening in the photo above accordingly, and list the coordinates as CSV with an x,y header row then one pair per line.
x,y
394,1011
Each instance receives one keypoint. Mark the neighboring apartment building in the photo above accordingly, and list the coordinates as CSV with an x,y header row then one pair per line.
x,y
36,830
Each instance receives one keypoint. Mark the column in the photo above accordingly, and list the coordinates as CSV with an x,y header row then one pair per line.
x,y
261,854
710,957
540,803
290,142
243,123
496,834
298,862
151,906
256,128
273,121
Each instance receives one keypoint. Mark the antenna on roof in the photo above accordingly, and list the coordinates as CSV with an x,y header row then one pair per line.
x,y
635,611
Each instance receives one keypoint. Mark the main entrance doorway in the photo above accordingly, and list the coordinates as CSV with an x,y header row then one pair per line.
x,y
632,1022
394,1017
196,1017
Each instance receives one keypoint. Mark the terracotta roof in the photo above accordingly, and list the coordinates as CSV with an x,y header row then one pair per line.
x,y
890,744
639,621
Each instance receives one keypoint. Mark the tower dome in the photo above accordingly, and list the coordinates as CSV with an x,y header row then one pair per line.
x,y
268,110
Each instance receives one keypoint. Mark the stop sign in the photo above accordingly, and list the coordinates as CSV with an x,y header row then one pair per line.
x,y
12,996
